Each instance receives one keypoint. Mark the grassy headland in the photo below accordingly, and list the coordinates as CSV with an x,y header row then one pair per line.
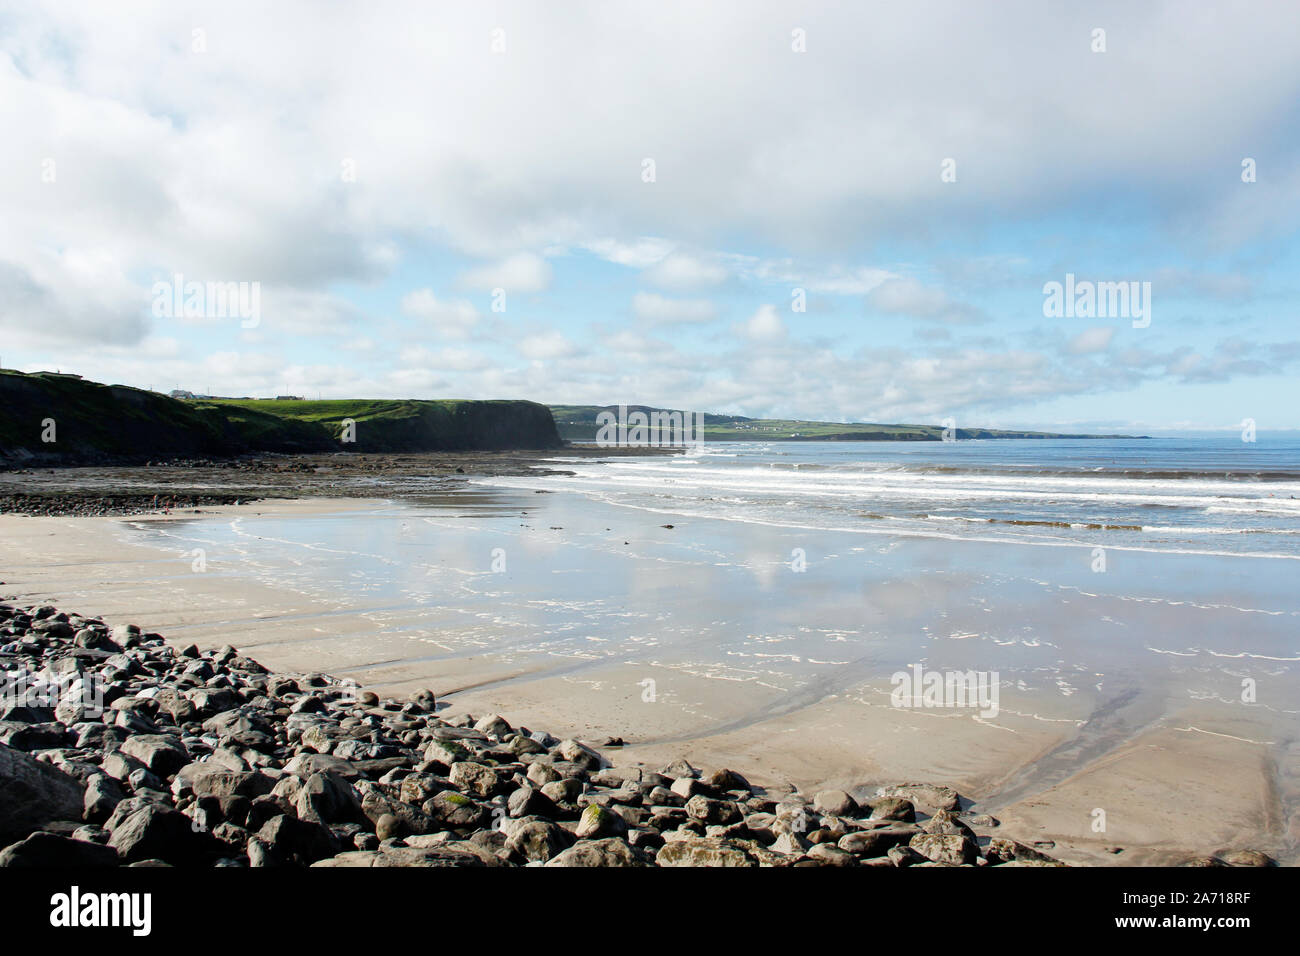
x,y
578,423
54,419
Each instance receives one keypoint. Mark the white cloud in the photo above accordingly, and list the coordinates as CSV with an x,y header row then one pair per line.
x,y
453,319
650,307
906,296
522,272
450,359
764,325
546,345
1095,339
638,254
682,271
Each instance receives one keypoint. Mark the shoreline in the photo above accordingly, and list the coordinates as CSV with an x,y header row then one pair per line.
x,y
165,486
120,749
804,748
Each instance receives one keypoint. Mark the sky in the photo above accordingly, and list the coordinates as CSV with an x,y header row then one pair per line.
x,y
845,212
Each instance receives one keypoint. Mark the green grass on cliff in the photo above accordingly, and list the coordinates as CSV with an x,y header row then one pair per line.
x,y
578,423
96,423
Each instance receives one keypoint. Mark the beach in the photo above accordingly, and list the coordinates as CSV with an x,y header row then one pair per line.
x,y
768,649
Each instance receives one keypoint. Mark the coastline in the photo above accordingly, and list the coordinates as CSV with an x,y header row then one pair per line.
x,y
1227,795
119,748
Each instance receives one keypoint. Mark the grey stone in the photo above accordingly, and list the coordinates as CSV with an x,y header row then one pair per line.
x,y
34,793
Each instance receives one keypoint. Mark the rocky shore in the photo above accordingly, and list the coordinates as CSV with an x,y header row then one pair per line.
x,y
188,483
119,749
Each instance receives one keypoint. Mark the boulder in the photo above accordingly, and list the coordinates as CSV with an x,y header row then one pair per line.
x,y
539,840
597,822
162,754
711,811
49,850
328,798
705,852
936,796
103,794
34,793
955,849
608,852
155,832
835,803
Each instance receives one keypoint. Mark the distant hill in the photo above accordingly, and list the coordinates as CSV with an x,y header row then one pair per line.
x,y
397,425
94,423
578,423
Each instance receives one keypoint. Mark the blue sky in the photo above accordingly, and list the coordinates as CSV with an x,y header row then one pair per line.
x,y
382,174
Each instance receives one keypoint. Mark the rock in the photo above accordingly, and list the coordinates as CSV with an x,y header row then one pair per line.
x,y
836,803
297,841
416,788
679,768
539,840
927,795
494,725
328,798
34,794
945,848
790,843
563,793
580,754
103,794
869,843
727,780
904,856
456,811
317,737
607,852
49,850
217,781
828,854
704,852
530,802
119,766
687,787
444,753
947,823
476,778
1247,858
388,827
1001,850
424,700
210,701
376,805
893,808
596,822
645,839
163,755
31,737
306,764
711,811
438,856
156,832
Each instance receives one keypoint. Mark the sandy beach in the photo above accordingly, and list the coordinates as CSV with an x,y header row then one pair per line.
x,y
1175,777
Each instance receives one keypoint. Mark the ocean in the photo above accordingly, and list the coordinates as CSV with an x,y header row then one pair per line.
x,y
1213,496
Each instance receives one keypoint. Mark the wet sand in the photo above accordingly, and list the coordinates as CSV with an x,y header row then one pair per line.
x,y
659,642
